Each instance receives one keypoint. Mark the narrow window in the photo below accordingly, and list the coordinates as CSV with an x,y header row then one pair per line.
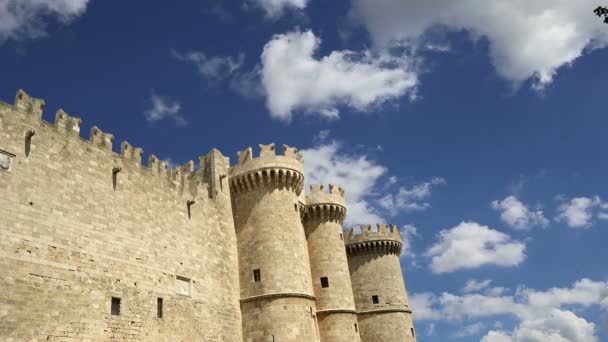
x,y
324,282
341,237
413,335
159,308
189,205
375,299
356,328
295,206
28,141
257,276
182,286
115,306
115,172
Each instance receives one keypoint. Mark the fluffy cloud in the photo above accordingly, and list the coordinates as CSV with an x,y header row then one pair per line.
x,y
470,245
517,215
474,285
555,326
214,67
20,19
410,199
423,306
295,80
407,232
541,315
326,163
161,107
275,8
580,211
527,39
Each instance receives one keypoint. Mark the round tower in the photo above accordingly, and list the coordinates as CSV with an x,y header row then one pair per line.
x,y
277,300
323,218
381,300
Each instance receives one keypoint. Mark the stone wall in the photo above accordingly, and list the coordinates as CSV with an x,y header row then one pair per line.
x,y
323,220
375,271
80,224
279,305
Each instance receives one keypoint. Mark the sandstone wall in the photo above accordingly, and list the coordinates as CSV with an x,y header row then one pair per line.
x,y
69,242
323,220
375,270
279,306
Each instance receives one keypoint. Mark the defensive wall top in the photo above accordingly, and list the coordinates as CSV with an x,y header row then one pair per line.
x,y
318,196
267,170
289,159
32,108
385,240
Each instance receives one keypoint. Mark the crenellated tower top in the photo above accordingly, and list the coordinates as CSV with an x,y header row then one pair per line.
x,y
329,206
386,240
268,169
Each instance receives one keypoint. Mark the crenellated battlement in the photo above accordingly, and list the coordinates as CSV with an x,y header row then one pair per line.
x,y
28,110
386,239
325,205
28,105
268,169
130,153
66,122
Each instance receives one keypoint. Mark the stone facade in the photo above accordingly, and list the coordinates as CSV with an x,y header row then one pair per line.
x,y
96,246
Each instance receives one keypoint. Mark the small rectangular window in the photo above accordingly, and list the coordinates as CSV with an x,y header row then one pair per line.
x,y
257,276
356,329
115,310
341,236
324,282
159,308
375,299
413,335
182,286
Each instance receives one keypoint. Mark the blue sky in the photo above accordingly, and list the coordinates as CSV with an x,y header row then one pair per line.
x,y
477,127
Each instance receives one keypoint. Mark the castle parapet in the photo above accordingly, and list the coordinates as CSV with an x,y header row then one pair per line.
x,y
130,153
31,106
63,121
268,169
101,139
386,240
325,205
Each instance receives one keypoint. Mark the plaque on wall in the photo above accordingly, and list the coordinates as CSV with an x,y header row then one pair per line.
x,y
5,161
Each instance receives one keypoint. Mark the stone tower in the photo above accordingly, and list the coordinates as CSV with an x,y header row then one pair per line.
x,y
381,300
323,218
277,300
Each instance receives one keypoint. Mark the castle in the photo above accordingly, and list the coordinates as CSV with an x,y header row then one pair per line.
x,y
95,246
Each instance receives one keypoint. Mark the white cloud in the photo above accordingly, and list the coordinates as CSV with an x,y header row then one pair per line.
x,y
423,306
411,199
496,336
517,215
541,315
214,67
584,292
527,39
470,245
358,175
579,211
554,326
295,80
407,232
275,8
474,285
161,107
20,19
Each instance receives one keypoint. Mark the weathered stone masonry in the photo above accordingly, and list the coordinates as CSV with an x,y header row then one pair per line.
x,y
96,246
